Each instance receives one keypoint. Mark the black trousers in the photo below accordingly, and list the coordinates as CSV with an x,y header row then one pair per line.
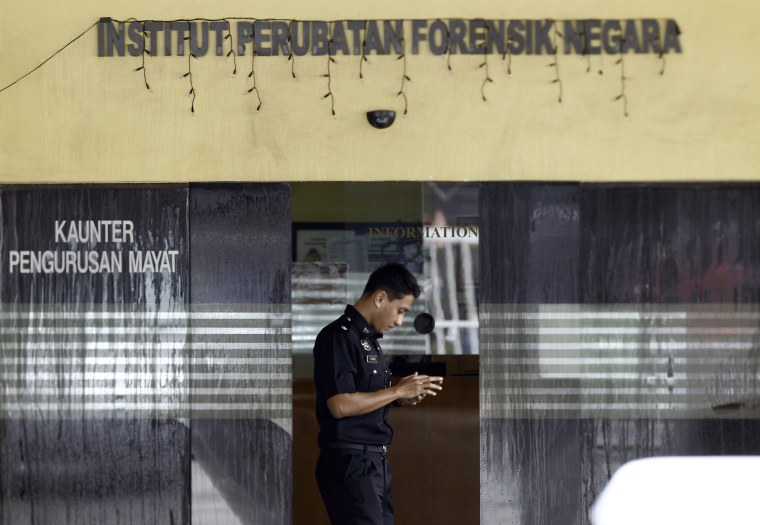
x,y
355,486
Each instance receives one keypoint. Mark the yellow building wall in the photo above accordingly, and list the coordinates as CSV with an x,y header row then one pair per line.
x,y
84,118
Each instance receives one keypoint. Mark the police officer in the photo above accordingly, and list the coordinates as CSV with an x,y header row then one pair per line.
x,y
354,394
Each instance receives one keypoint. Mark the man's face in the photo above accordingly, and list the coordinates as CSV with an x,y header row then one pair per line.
x,y
391,312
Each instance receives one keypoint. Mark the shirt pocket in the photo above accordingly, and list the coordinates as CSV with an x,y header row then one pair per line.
x,y
373,376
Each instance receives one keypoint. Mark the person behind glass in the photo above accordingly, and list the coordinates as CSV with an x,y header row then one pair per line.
x,y
354,395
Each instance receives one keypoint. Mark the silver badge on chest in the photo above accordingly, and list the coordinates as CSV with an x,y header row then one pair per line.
x,y
366,345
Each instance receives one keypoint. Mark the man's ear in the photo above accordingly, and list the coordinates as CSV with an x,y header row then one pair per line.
x,y
380,297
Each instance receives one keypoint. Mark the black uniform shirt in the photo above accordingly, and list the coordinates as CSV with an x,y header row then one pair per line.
x,y
348,359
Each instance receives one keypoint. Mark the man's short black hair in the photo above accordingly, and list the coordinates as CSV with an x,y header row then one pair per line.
x,y
395,279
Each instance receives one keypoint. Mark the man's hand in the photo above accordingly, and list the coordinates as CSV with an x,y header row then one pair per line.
x,y
412,389
409,391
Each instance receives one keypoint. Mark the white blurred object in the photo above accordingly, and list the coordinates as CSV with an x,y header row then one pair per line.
x,y
697,490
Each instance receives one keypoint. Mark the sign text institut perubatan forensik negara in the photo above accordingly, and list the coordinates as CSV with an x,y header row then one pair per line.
x,y
387,37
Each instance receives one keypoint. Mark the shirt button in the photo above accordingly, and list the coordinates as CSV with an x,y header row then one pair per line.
x,y
374,371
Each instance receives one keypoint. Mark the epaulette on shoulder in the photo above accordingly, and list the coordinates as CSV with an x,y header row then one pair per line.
x,y
344,325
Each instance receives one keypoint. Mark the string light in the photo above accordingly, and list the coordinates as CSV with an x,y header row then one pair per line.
x,y
330,60
484,64
189,76
584,49
291,57
557,80
145,51
585,52
148,48
661,45
661,55
404,76
252,74
507,53
363,58
448,46
620,61
231,52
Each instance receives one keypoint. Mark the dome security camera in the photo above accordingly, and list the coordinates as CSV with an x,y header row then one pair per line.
x,y
381,118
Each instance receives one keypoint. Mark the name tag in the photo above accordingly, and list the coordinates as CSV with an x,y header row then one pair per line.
x,y
373,359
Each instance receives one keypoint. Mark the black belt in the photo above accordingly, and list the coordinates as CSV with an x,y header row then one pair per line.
x,y
356,446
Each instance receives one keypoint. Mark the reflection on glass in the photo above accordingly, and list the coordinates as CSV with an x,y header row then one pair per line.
x,y
450,241
347,230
